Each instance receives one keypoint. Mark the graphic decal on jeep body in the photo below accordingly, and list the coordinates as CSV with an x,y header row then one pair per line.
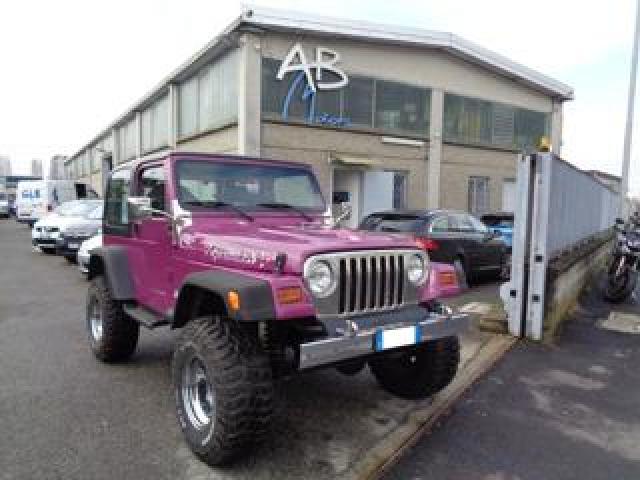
x,y
220,251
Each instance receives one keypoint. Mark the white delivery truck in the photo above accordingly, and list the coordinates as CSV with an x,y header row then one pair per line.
x,y
37,198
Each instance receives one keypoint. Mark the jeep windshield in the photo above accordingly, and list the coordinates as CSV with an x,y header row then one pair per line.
x,y
207,185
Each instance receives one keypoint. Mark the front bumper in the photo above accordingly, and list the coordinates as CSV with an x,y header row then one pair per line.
x,y
358,336
70,245
83,261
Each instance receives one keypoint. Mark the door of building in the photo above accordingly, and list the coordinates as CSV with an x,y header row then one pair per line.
x,y
508,195
377,191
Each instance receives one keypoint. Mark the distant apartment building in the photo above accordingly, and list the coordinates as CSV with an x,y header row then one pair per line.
x,y
56,167
36,168
5,166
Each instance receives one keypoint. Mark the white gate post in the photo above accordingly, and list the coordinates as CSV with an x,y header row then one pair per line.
x,y
517,284
538,255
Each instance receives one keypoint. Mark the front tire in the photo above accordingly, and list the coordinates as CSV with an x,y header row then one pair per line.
x,y
223,389
113,335
420,371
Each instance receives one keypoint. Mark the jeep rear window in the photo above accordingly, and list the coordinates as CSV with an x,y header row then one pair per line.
x,y
245,185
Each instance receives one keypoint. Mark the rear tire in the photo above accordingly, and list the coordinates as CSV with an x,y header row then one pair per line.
x,y
70,258
619,292
223,389
420,371
113,335
48,250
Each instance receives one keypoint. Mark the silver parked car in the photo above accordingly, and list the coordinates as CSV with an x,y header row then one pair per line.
x,y
75,232
84,251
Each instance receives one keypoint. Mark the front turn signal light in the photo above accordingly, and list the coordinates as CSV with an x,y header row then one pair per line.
x,y
289,295
233,300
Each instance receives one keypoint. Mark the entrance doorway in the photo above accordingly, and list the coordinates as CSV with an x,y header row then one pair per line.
x,y
366,191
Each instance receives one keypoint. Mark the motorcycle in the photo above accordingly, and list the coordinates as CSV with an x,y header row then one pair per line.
x,y
622,274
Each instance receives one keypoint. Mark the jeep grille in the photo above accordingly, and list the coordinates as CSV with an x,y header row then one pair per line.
x,y
367,282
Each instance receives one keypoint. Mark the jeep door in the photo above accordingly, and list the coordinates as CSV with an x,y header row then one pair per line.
x,y
151,249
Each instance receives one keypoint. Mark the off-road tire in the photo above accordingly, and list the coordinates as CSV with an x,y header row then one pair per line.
x,y
119,332
241,381
434,366
48,250
70,258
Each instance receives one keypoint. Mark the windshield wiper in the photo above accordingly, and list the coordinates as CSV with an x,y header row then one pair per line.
x,y
217,204
286,206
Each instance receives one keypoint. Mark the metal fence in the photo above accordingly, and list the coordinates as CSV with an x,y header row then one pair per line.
x,y
557,207
579,205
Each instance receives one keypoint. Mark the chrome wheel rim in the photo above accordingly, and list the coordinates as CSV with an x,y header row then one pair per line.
x,y
197,393
95,320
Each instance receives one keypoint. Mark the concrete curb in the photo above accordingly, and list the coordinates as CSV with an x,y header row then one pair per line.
x,y
386,453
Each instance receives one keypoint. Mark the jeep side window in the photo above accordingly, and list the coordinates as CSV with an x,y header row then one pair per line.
x,y
116,213
152,185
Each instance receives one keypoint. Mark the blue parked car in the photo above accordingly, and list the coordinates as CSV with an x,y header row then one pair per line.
x,y
500,223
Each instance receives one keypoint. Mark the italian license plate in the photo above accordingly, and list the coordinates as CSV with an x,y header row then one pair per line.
x,y
397,337
74,246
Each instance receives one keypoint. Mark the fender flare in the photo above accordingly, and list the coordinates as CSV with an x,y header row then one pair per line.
x,y
112,262
256,296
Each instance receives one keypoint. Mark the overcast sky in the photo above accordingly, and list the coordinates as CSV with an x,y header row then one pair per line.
x,y
68,68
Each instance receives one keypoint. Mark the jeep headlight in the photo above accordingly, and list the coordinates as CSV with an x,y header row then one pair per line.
x,y
416,269
320,278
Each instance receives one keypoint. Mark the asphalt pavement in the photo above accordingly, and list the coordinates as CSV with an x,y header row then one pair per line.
x,y
64,415
562,412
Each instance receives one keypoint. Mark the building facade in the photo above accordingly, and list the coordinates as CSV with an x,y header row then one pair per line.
x,y
36,168
57,170
5,166
388,117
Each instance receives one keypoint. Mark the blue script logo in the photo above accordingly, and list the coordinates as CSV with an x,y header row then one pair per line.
x,y
296,61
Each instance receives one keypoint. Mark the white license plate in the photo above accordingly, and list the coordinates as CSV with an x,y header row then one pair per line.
x,y
74,246
397,337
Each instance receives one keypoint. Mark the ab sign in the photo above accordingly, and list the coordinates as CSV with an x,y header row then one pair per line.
x,y
310,78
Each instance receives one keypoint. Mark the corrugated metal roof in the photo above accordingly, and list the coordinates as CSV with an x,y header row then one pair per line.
x,y
286,20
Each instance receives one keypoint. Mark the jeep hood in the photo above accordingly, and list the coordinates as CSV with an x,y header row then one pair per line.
x,y
256,247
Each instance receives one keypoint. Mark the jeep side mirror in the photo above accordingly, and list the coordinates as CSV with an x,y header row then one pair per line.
x,y
345,212
140,207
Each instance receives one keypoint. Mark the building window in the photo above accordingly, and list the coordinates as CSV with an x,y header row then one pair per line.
x,y
480,122
358,101
127,142
401,107
154,123
399,190
363,103
478,195
209,99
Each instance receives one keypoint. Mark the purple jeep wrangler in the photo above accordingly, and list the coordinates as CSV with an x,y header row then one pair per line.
x,y
237,252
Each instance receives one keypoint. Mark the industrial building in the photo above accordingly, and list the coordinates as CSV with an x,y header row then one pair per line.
x,y
387,116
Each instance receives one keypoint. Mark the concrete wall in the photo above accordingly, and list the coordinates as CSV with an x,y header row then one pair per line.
x,y
224,140
567,279
317,145
418,66
459,163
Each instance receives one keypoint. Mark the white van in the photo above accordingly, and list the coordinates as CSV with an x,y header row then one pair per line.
x,y
37,198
